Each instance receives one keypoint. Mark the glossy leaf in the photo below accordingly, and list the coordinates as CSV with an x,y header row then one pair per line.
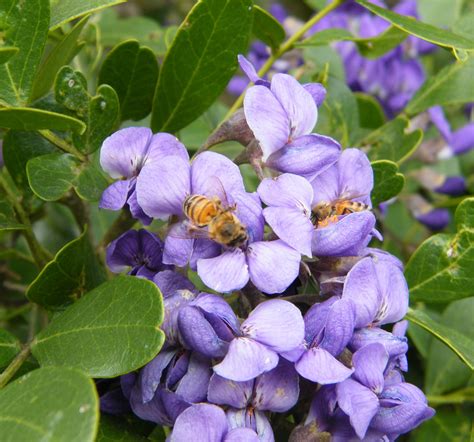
x,y
110,331
6,53
8,219
457,342
27,29
440,270
393,141
51,176
444,371
114,429
454,84
267,28
447,425
49,404
35,119
90,183
59,56
201,61
371,114
425,31
133,72
74,271
63,11
9,347
70,90
387,181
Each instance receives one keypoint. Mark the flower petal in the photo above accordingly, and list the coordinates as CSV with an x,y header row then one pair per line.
x,y
359,403
307,155
115,196
297,102
245,360
339,327
318,365
163,145
163,186
193,385
267,119
248,68
169,281
178,249
200,422
223,391
356,177
370,363
224,273
123,153
276,323
150,376
317,91
136,210
241,435
249,213
264,257
121,253
326,185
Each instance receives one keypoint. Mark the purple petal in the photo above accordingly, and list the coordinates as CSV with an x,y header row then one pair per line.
x,y
245,360
115,196
346,237
136,210
462,140
127,381
200,422
318,365
178,250
255,420
315,319
223,391
163,145
356,177
436,219
359,403
362,288
122,252
114,402
193,385
438,118
150,376
248,68
370,363
339,327
307,155
277,390
203,248
317,91
163,186
326,185
264,257
394,345
267,119
224,273
276,323
322,407
241,435
249,212
169,281
124,152
297,102
213,173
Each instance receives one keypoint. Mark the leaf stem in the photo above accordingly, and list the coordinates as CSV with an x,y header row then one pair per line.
x,y
62,144
40,255
285,47
15,365
457,397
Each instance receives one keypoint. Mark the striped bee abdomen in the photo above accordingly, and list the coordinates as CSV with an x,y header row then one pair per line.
x,y
200,210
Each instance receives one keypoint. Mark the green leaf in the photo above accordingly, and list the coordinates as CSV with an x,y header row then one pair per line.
x,y
90,183
444,371
59,56
26,25
9,347
452,85
36,119
371,114
63,11
8,219
326,36
51,176
114,429
267,28
18,148
387,181
425,31
440,270
393,141
70,90
6,53
133,72
457,342
49,404
441,13
109,332
73,272
201,61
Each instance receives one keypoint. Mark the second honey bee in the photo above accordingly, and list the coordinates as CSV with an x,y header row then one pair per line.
x,y
323,213
222,224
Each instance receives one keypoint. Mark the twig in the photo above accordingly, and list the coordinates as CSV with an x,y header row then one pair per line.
x,y
15,365
62,144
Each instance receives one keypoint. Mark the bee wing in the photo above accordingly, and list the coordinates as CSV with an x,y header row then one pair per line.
x,y
348,195
187,230
214,187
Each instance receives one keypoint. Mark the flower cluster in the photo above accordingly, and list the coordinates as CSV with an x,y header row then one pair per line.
x,y
218,375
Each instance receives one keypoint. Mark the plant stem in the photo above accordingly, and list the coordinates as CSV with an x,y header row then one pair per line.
x,y
40,255
285,47
62,144
457,397
15,365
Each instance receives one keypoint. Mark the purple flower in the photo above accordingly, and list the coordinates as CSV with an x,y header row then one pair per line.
x,y
206,422
433,218
393,409
273,327
281,118
440,183
139,250
162,189
291,199
328,329
378,291
122,156
169,282
276,390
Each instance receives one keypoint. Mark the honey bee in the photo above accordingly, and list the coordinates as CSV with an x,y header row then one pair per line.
x,y
323,213
222,224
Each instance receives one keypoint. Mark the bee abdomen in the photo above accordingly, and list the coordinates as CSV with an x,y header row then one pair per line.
x,y
199,209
